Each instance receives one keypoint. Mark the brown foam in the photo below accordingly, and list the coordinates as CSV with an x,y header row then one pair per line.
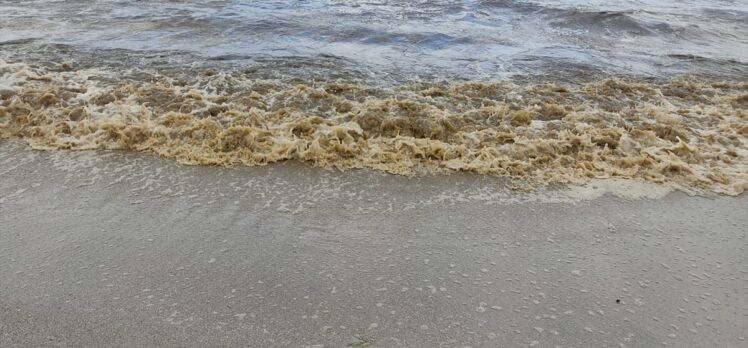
x,y
683,133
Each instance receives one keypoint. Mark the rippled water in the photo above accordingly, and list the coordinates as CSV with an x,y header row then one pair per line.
x,y
540,91
477,39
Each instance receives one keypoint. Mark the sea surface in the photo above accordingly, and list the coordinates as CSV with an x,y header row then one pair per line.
x,y
537,91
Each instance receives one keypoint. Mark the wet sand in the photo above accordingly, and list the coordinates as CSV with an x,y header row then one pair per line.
x,y
127,249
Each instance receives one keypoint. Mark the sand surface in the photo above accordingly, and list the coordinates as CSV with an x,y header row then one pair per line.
x,y
127,249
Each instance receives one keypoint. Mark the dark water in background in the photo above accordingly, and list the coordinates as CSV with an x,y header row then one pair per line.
x,y
389,40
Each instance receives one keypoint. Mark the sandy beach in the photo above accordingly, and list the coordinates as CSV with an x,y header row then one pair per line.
x,y
344,173
127,249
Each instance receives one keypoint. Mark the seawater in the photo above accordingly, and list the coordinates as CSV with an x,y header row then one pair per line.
x,y
540,91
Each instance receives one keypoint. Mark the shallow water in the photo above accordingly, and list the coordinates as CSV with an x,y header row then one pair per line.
x,y
404,39
541,92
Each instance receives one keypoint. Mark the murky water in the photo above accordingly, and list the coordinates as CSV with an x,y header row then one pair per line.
x,y
475,39
545,91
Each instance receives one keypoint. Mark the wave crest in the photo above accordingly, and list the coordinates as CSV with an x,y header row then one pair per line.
x,y
684,133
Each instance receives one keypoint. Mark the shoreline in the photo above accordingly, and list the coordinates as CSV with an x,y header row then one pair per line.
x,y
683,133
123,249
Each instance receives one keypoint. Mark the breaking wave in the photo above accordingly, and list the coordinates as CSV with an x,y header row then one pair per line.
x,y
684,133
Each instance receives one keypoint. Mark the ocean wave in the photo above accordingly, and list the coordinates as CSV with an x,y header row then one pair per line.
x,y
610,22
685,133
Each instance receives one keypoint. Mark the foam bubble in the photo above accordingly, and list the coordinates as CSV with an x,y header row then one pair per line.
x,y
684,134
